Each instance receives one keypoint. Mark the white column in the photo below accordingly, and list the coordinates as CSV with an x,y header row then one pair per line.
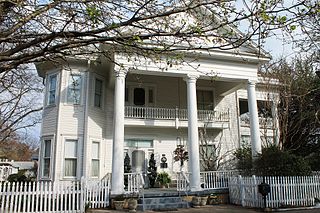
x,y
254,120
117,181
193,142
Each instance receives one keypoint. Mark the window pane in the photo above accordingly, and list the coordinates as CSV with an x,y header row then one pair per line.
x,y
95,150
139,97
151,96
46,167
95,168
52,89
243,105
98,93
75,81
98,86
205,99
52,82
71,149
70,167
74,89
74,96
47,148
97,100
52,97
138,143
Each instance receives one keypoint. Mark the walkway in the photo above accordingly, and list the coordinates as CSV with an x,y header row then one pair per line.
x,y
215,209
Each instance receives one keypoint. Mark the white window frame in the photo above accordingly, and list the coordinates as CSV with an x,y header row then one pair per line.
x,y
70,76
93,158
49,89
43,157
69,157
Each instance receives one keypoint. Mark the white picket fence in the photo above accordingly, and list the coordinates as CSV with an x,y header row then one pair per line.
x,y
71,197
284,191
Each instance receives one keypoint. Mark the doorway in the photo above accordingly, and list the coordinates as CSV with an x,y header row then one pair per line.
x,y
139,151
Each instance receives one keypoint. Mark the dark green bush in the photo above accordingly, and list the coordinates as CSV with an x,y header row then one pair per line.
x,y
272,162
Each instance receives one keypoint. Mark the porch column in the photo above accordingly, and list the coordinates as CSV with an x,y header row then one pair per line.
x,y
117,181
193,143
254,120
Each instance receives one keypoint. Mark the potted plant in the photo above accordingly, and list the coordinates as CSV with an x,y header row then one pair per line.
x,y
132,204
118,202
196,201
204,200
163,179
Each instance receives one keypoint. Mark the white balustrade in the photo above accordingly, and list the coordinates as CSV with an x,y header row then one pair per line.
x,y
173,113
216,179
133,182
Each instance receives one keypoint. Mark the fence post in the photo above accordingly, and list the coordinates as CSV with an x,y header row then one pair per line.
x,y
241,190
255,199
82,196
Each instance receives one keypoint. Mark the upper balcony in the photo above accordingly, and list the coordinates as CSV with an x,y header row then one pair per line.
x,y
173,117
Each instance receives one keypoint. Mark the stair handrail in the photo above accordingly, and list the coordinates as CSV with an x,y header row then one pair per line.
x,y
141,187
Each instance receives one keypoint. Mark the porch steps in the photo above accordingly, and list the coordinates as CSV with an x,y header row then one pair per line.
x,y
162,203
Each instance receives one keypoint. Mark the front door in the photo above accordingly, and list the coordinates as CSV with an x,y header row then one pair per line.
x,y
139,151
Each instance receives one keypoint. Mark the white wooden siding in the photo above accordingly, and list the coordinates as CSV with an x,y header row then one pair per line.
x,y
49,120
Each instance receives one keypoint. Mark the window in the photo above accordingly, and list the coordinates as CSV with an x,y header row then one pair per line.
x,y
243,106
74,89
95,160
139,97
264,109
52,86
98,93
70,158
138,143
46,158
151,96
205,99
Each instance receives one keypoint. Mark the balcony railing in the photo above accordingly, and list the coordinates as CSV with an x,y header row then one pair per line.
x,y
172,114
263,122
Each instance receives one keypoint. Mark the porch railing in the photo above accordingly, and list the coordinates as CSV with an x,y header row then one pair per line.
x,y
265,123
133,182
209,180
183,181
171,114
216,179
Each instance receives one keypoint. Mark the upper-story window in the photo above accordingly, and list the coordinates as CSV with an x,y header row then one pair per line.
x,y
98,93
205,99
52,88
140,96
74,89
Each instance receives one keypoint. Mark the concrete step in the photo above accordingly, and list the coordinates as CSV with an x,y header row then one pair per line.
x,y
162,203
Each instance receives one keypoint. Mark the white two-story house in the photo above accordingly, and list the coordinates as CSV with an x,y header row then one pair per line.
x,y
96,110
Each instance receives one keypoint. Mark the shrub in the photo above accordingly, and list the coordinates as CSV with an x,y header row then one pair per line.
x,y
152,171
272,162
